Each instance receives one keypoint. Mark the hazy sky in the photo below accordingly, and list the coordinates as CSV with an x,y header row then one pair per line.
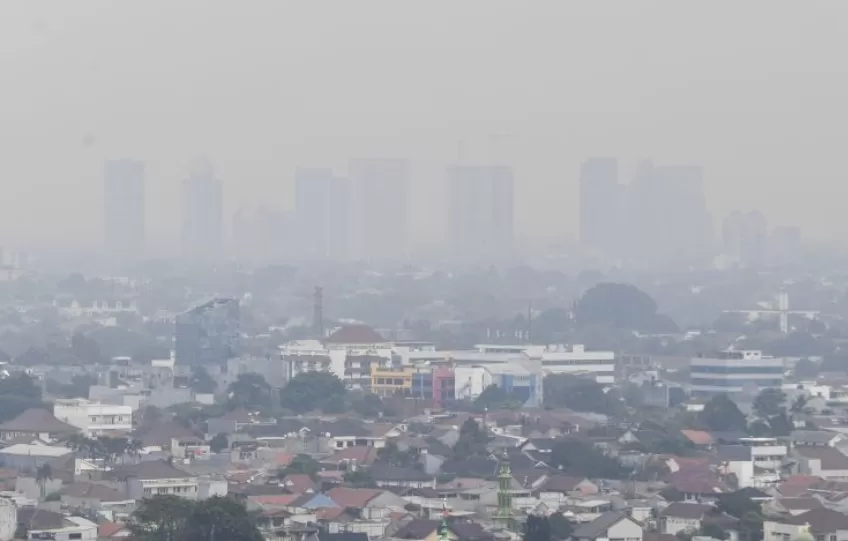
x,y
755,91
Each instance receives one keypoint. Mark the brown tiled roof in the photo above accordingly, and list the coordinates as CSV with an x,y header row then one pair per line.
x,y
356,334
353,497
686,510
153,469
37,420
298,483
40,519
275,500
796,504
108,529
160,435
561,483
93,491
830,457
821,521
360,453
698,437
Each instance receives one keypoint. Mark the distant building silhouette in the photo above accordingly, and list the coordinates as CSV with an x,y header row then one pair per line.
x,y
322,214
123,209
261,234
379,190
745,238
208,334
203,228
600,198
480,202
785,245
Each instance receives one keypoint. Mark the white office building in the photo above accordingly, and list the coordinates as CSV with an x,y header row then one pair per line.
x,y
735,372
93,418
556,359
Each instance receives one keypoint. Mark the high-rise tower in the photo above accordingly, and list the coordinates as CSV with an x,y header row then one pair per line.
x,y
203,228
123,209
480,202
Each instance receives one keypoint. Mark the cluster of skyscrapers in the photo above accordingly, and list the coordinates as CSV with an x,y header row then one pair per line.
x,y
661,220
124,209
365,215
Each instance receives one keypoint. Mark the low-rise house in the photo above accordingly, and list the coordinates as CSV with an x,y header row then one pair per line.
x,y
683,517
556,490
392,476
820,524
156,477
812,438
28,458
299,483
822,461
615,525
41,524
421,529
699,438
37,423
97,497
190,447
791,506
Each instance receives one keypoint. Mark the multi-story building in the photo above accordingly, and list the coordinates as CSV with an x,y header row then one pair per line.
x,y
480,206
299,356
521,379
208,334
93,418
555,358
156,477
379,191
392,382
322,214
203,226
123,208
436,383
734,372
599,194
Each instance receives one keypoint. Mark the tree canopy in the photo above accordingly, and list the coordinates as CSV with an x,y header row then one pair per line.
x,y
18,393
171,518
251,392
722,414
580,394
309,391
622,306
582,458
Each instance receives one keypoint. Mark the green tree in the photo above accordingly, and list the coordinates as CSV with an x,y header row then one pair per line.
x,y
621,306
365,404
219,442
578,457
250,392
308,391
537,528
806,369
18,393
202,382
43,474
301,464
160,518
219,518
580,394
472,439
722,414
711,529
561,527
359,478
769,402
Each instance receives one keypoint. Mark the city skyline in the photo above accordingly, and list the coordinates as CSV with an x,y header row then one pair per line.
x,y
293,87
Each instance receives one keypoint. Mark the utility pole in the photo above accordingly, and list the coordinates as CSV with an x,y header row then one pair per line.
x,y
318,313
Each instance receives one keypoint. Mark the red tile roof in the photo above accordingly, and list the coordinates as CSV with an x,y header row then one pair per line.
x,y
353,497
698,437
360,454
275,499
299,483
37,420
356,334
108,529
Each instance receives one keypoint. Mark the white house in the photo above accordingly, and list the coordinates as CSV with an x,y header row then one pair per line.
x,y
614,525
157,477
93,418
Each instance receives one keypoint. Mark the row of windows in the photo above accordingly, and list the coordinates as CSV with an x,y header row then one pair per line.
x,y
737,369
736,382
388,381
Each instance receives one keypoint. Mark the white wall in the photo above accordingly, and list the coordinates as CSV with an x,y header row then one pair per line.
x,y
8,519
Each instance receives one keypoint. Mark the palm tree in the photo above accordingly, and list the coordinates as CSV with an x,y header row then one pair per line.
x,y
43,474
134,447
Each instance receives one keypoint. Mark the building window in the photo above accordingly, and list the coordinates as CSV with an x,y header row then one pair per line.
x,y
75,536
